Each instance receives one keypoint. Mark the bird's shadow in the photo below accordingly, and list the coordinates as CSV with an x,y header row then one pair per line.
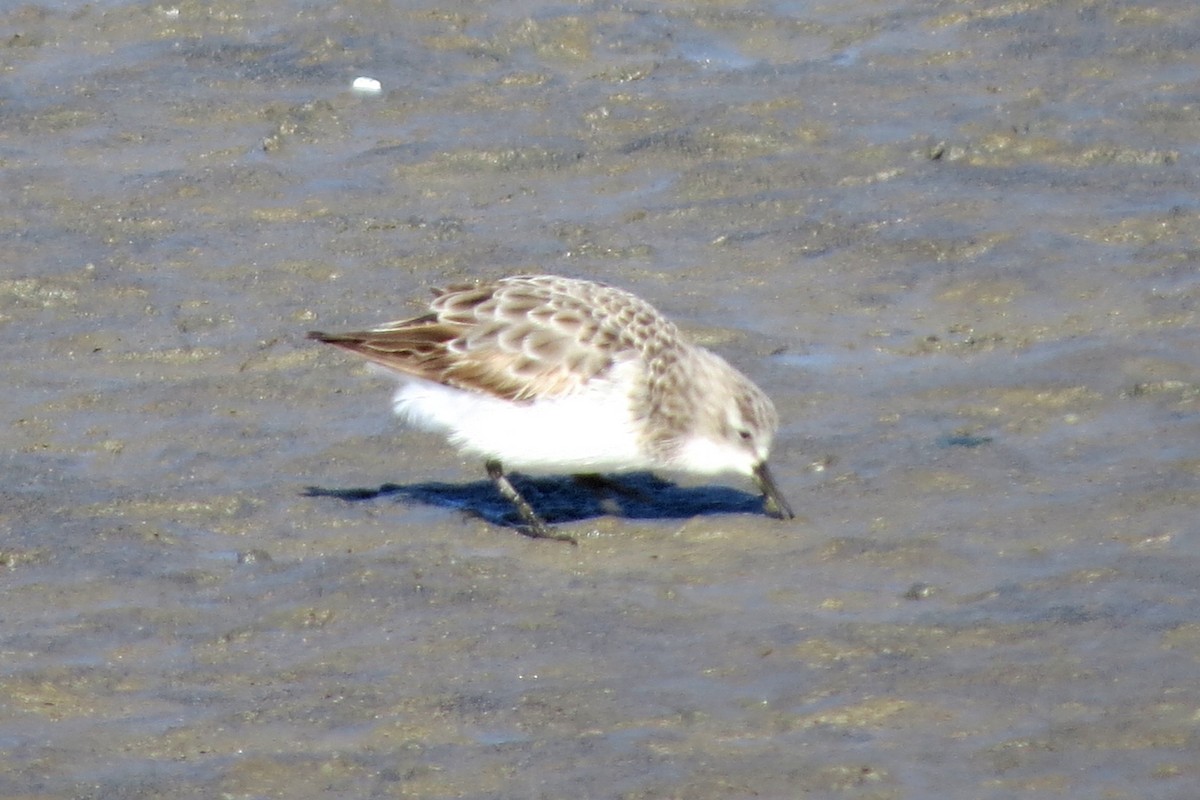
x,y
564,499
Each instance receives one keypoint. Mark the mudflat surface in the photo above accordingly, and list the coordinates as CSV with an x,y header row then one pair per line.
x,y
955,241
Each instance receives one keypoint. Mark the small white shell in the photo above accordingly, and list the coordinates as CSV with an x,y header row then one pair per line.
x,y
365,85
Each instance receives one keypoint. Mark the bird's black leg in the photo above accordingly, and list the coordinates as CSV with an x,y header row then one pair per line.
x,y
535,527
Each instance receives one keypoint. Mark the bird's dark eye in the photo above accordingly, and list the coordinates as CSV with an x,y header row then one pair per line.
x,y
746,435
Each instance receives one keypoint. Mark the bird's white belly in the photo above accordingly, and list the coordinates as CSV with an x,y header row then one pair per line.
x,y
589,431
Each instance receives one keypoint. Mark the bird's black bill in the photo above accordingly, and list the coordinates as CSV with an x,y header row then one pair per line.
x,y
773,500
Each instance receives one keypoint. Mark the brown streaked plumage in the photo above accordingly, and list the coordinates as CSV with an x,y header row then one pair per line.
x,y
545,372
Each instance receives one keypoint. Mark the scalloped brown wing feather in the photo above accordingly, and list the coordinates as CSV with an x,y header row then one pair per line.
x,y
517,339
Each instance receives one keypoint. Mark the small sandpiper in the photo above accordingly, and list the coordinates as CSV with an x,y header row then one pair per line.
x,y
548,374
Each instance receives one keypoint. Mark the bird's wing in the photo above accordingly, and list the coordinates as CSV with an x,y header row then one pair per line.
x,y
517,339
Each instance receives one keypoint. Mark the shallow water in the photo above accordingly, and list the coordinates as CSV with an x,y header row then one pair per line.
x,y
956,242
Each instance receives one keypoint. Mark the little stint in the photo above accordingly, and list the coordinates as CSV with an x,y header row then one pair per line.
x,y
548,374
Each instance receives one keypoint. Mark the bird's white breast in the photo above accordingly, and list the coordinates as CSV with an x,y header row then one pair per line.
x,y
591,430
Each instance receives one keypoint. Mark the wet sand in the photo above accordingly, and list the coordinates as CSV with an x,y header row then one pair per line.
x,y
956,243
